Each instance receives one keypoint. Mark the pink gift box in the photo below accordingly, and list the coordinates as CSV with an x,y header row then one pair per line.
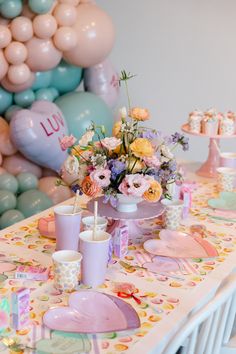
x,y
120,241
20,308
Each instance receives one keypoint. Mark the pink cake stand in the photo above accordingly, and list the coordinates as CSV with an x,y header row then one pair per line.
x,y
145,211
208,168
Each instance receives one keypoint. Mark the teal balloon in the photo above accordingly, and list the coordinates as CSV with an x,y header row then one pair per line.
x,y
81,108
42,80
40,6
7,201
5,100
26,181
55,92
66,77
10,111
25,98
8,182
32,202
11,8
10,217
44,94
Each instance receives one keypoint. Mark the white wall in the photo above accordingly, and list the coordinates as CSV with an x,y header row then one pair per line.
x,y
184,52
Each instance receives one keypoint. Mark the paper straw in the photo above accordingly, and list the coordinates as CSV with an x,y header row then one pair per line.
x,y
95,219
76,202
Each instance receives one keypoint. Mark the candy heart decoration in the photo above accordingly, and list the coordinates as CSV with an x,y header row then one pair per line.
x,y
36,133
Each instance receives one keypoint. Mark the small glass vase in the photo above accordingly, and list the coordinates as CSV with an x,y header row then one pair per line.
x,y
127,204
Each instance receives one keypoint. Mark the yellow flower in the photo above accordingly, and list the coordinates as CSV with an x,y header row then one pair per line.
x,y
116,129
142,148
138,165
138,113
154,192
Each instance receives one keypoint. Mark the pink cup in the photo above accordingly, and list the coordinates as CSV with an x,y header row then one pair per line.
x,y
95,257
67,227
228,159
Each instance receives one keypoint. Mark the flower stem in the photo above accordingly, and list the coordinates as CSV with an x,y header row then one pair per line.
x,y
127,92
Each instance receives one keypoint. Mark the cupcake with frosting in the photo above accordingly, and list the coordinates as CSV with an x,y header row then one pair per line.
x,y
210,122
194,121
232,115
227,126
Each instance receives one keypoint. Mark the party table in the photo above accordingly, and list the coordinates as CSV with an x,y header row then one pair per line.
x,y
166,300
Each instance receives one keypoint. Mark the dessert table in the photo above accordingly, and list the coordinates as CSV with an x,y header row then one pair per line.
x,y
166,300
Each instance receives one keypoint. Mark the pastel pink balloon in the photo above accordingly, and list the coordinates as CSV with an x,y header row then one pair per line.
x,y
3,65
3,126
44,26
6,146
42,54
4,21
5,36
71,2
7,85
21,29
27,12
2,171
65,14
18,74
16,53
95,32
65,38
47,172
17,163
56,193
0,158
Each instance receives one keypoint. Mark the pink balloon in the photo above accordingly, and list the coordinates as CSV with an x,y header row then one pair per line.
x,y
0,158
65,14
44,26
94,41
42,54
71,2
5,36
6,146
7,85
18,74
27,12
3,126
21,29
16,53
3,65
47,172
17,163
2,171
56,193
65,38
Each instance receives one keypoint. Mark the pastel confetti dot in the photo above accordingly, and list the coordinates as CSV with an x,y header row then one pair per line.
x,y
173,300
143,305
228,250
110,335
141,333
129,258
168,307
126,339
157,301
151,294
32,315
105,345
23,332
43,298
120,347
131,248
146,325
191,283
142,313
208,267
19,243
175,284
154,318
31,247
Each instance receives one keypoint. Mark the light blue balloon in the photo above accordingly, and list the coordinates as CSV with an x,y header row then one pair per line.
x,y
66,77
44,94
42,80
32,202
10,111
11,8
10,217
25,98
8,182
40,6
55,92
26,181
5,100
7,201
80,108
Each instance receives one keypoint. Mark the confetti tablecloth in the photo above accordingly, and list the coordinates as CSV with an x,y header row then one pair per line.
x,y
166,299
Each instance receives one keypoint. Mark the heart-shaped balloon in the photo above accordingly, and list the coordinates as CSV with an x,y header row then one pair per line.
x,y
36,133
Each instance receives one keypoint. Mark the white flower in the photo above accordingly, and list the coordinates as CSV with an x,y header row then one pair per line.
x,y
86,138
123,112
111,143
166,154
72,165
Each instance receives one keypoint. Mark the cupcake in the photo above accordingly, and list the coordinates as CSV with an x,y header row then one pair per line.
x,y
232,115
194,121
227,126
210,122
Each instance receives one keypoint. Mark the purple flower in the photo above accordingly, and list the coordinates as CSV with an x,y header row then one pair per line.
x,y
116,167
149,134
178,138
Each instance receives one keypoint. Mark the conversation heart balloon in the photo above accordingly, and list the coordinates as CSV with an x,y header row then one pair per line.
x,y
36,133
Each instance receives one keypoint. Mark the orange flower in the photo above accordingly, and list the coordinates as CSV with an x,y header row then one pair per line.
x,y
142,148
89,187
138,113
154,192
116,129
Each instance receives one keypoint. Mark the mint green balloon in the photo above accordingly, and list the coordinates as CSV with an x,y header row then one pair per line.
x,y
11,8
40,6
80,108
54,92
44,94
25,98
10,111
66,77
32,202
10,217
8,182
7,201
5,100
26,181
42,80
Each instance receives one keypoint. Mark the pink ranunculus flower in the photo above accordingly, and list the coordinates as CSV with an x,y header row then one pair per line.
x,y
135,185
111,143
101,176
152,161
67,141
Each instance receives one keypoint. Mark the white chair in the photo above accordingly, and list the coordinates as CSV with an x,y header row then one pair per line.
x,y
209,329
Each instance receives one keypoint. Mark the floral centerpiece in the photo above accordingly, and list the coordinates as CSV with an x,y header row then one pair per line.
x,y
136,163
